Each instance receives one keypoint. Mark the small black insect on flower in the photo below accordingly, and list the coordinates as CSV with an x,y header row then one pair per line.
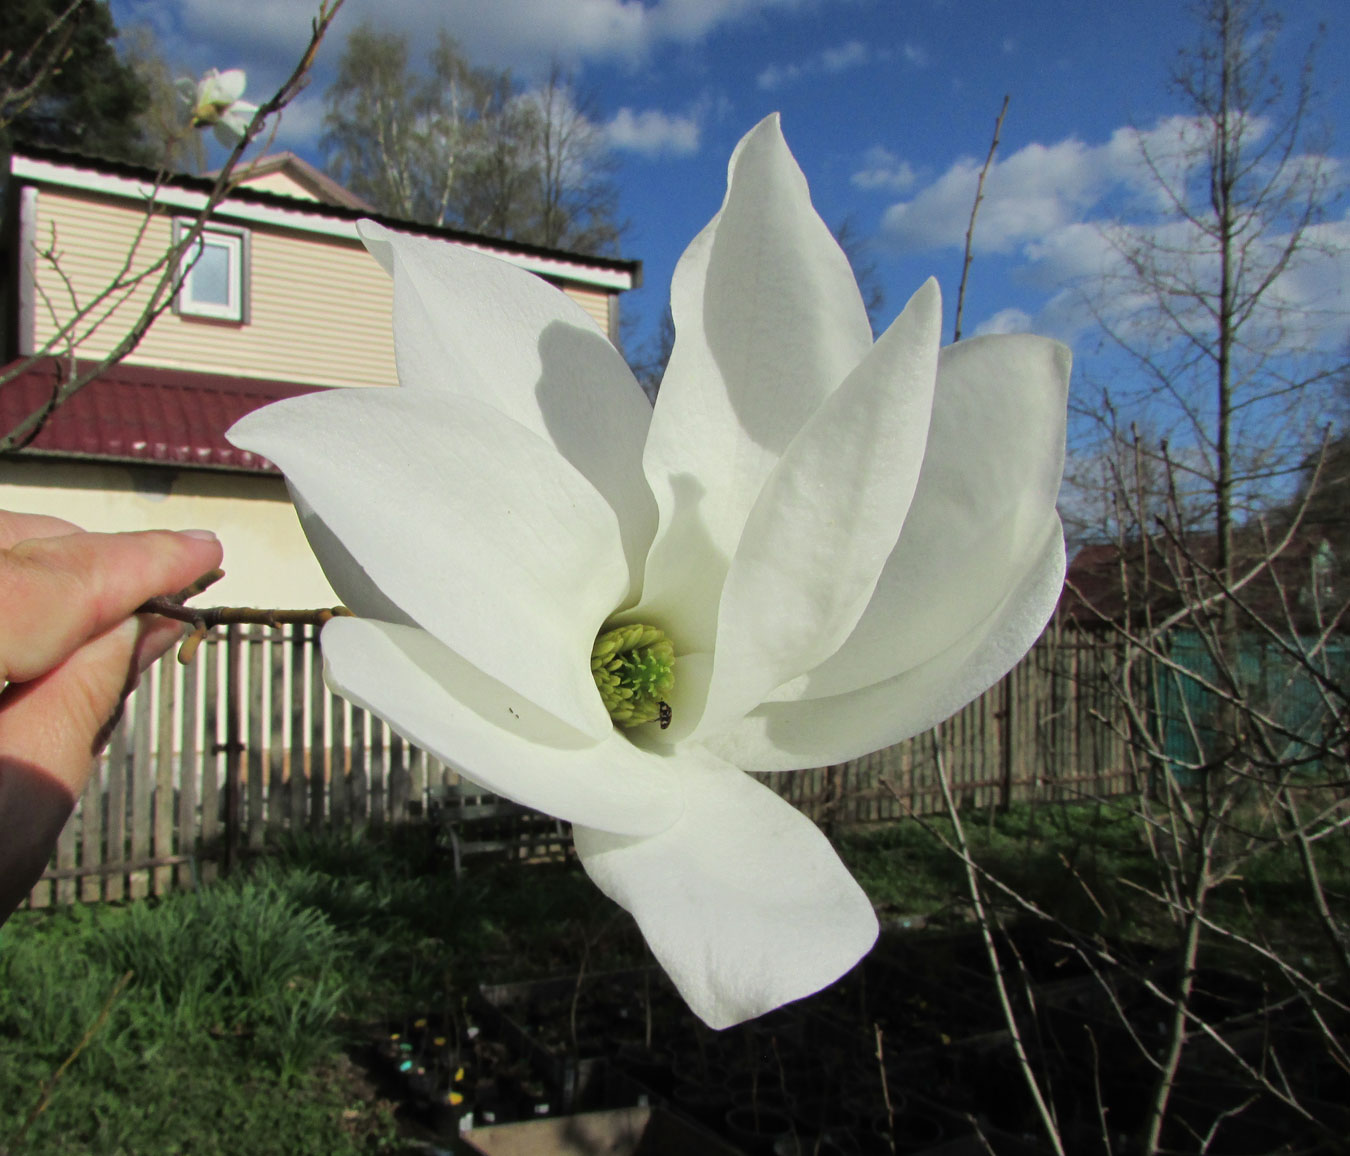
x,y
665,715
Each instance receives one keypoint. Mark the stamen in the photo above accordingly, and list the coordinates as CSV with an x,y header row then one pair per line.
x,y
633,670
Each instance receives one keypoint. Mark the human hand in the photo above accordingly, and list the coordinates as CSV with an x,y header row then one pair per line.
x,y
71,649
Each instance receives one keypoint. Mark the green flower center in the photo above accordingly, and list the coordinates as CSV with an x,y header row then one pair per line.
x,y
633,670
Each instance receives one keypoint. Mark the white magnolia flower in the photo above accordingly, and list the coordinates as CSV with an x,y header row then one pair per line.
x,y
214,103
842,542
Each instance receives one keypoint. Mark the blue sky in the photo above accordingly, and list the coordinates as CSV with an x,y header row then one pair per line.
x,y
888,105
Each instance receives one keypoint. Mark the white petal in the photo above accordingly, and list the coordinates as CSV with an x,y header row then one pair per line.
x,y
498,739
768,323
229,128
468,522
987,490
743,901
226,87
816,732
469,323
827,520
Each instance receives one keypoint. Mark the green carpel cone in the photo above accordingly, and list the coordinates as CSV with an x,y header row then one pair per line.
x,y
633,668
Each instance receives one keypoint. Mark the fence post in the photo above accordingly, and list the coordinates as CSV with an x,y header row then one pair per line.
x,y
191,768
1005,741
234,747
257,776
317,697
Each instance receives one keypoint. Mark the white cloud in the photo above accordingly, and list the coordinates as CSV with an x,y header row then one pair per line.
x,y
1028,195
1031,194
1005,321
301,122
522,34
915,54
882,169
777,75
653,133
267,37
850,54
1066,215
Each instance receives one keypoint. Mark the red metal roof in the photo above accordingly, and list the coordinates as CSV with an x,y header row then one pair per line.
x,y
133,413
1108,582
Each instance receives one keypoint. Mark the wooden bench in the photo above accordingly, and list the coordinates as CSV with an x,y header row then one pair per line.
x,y
472,822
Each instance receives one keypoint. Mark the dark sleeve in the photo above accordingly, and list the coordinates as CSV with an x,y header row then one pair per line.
x,y
33,808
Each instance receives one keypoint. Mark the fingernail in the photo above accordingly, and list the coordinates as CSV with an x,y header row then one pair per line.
x,y
200,535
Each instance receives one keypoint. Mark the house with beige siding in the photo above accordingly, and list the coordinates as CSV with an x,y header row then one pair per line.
x,y
281,299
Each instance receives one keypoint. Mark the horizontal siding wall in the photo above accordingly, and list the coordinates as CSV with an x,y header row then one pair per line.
x,y
596,302
320,307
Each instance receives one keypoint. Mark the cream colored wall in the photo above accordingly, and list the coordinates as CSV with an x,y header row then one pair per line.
x,y
278,182
596,302
319,307
267,560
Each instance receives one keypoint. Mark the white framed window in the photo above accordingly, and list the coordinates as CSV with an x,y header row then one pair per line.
x,y
213,274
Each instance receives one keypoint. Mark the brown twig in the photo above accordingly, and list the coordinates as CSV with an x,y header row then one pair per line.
x,y
885,1086
974,211
1044,1107
204,619
212,616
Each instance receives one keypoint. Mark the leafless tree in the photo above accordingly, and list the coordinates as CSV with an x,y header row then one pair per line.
x,y
1228,354
576,201
1218,616
857,247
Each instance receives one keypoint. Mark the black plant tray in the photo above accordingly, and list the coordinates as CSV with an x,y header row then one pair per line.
x,y
526,1017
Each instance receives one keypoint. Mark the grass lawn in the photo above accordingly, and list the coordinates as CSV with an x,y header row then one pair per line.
x,y
229,1035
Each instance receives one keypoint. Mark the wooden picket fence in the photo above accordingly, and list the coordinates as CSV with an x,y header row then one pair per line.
x,y
212,761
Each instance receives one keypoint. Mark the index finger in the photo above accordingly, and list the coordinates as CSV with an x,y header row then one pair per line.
x,y
59,591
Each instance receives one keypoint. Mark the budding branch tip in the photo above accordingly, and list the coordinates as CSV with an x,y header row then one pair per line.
x,y
204,619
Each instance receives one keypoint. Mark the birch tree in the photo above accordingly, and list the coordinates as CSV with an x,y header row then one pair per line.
x,y
456,145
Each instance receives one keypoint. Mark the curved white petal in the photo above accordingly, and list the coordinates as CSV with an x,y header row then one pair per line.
x,y
472,525
827,520
470,323
743,901
234,123
768,323
987,490
224,87
497,738
355,588
816,732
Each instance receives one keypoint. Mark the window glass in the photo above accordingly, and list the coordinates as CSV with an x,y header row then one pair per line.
x,y
210,275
